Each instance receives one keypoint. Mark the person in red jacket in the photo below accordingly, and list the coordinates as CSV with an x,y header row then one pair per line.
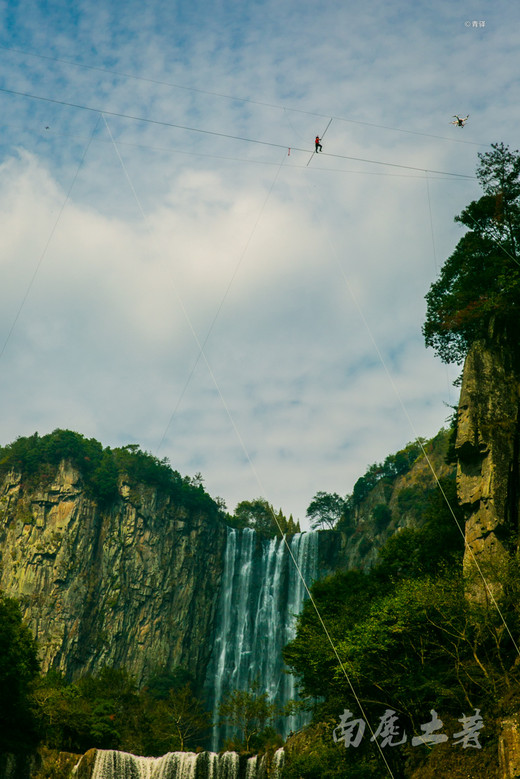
x,y
319,147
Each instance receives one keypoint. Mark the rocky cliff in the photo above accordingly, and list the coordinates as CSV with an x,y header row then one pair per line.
x,y
132,585
487,447
393,502
488,487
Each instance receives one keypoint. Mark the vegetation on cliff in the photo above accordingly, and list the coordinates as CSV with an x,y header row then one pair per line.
x,y
390,495
251,715
330,510
480,282
18,667
260,515
108,711
406,638
37,459
407,641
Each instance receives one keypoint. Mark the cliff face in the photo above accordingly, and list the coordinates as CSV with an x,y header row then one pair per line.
x,y
131,586
390,506
487,447
488,486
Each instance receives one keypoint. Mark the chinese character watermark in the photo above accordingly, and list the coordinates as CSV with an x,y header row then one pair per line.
x,y
388,729
429,737
475,23
390,734
345,730
468,736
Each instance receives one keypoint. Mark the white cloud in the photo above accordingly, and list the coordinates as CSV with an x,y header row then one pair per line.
x,y
310,278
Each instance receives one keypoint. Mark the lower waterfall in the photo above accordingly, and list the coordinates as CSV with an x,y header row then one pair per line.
x,y
110,764
262,592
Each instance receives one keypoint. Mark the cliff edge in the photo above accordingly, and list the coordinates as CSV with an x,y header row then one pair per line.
x,y
487,448
131,584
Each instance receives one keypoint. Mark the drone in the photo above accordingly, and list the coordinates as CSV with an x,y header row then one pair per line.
x,y
458,121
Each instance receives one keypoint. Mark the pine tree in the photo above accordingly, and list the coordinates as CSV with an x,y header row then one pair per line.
x,y
478,289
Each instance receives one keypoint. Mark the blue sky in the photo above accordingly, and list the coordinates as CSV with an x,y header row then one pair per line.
x,y
127,245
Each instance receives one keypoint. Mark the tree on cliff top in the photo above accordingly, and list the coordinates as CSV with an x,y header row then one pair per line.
x,y
480,282
37,459
261,516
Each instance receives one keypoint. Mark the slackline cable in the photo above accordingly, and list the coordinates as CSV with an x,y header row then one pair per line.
x,y
202,353
323,134
246,161
218,134
234,97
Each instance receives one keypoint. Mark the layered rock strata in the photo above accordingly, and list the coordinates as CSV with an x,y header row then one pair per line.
x,y
131,586
487,447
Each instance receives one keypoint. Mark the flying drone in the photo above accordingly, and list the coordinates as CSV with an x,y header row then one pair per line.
x,y
460,122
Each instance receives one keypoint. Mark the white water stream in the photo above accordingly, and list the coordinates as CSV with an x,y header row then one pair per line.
x,y
110,764
261,594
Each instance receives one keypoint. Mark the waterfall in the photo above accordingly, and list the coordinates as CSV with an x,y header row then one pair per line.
x,y
110,764
261,594
278,762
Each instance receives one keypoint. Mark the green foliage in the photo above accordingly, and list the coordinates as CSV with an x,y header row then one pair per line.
x,y
400,654
326,509
37,458
384,473
106,711
175,724
18,667
260,515
54,764
250,713
315,755
435,547
382,516
94,711
414,499
480,283
407,639
159,686
341,599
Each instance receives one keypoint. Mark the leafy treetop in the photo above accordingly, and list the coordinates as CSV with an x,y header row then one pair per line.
x,y
326,509
332,511
107,711
249,713
480,283
260,515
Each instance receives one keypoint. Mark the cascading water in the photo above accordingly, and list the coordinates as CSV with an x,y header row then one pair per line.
x,y
262,592
110,764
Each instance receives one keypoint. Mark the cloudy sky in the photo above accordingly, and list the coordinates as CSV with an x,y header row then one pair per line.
x,y
178,270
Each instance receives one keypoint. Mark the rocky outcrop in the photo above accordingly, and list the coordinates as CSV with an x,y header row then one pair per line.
x,y
509,749
390,506
85,766
488,487
130,586
487,447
